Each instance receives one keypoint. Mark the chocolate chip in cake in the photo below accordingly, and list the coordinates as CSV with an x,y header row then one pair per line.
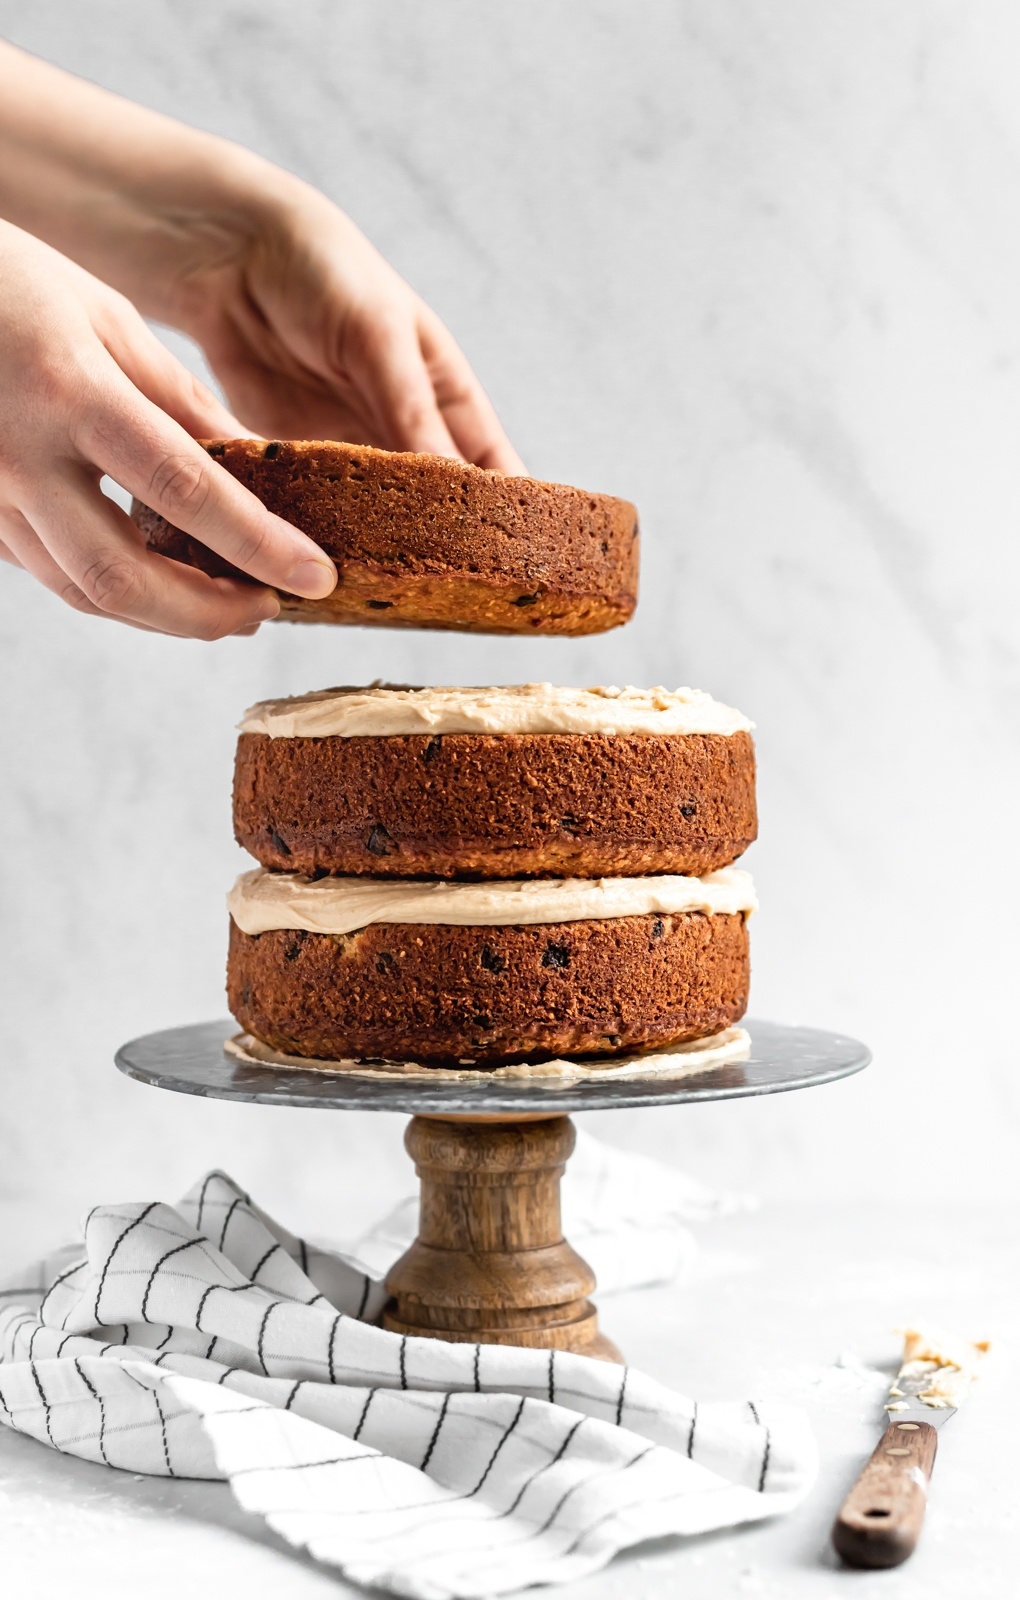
x,y
379,841
569,824
432,749
613,1038
689,811
384,961
526,599
379,605
292,949
217,450
658,928
491,961
272,450
482,1021
279,843
556,955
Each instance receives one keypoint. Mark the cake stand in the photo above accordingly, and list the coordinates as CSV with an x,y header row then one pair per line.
x,y
490,1264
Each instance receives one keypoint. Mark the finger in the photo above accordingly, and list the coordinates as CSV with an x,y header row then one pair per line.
x,y
7,554
99,552
39,564
167,382
285,407
33,557
385,361
467,410
153,458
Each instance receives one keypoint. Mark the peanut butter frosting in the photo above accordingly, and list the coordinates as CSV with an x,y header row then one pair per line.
x,y
382,711
939,1368
685,1060
261,901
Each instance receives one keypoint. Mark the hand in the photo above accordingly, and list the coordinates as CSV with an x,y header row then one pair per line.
x,y
313,335
86,389
308,329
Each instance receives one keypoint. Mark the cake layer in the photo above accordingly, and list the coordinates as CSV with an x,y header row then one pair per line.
x,y
424,542
496,805
489,995
262,901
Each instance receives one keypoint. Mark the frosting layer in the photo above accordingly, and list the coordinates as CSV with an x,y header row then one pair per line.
x,y
672,1061
380,712
261,901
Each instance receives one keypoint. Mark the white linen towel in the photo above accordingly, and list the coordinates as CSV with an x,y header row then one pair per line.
x,y
204,1340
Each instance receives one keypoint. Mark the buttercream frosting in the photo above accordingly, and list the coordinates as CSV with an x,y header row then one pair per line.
x,y
382,711
261,901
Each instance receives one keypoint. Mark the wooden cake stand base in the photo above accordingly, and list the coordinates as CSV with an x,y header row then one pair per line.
x,y
490,1264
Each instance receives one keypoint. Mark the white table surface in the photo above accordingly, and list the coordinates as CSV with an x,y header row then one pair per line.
x,y
778,1297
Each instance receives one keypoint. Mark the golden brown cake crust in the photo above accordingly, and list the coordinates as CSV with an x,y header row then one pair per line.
x,y
424,542
475,805
439,994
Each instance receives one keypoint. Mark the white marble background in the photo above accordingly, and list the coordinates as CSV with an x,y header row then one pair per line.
x,y
753,265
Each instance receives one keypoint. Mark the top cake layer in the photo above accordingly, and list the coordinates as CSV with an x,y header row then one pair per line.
x,y
420,541
525,781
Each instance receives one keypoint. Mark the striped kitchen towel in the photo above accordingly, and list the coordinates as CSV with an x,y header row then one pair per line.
x,y
206,1341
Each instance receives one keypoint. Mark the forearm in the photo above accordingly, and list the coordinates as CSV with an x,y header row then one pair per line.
x,y
310,333
142,201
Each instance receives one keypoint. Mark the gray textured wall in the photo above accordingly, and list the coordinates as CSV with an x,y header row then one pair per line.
x,y
752,265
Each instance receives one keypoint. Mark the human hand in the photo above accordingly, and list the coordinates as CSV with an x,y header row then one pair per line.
x,y
313,335
87,389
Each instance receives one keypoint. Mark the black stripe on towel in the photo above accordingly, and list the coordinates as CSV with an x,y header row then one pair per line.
x,y
116,1246
176,1251
427,1457
492,1459
97,1397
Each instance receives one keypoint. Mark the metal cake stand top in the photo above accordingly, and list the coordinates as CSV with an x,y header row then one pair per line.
x,y
191,1060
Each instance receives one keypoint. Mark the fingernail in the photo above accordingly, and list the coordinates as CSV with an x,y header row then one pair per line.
x,y
313,579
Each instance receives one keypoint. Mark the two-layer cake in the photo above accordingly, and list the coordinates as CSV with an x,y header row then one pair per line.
x,y
484,876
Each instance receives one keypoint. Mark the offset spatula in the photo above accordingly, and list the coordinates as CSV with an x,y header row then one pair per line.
x,y
881,1518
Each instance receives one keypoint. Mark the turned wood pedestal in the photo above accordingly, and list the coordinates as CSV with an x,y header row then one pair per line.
x,y
490,1264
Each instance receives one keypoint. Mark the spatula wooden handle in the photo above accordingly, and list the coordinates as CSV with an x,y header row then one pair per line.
x,y
882,1516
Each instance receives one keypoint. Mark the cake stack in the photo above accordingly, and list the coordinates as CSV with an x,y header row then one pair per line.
x,y
474,878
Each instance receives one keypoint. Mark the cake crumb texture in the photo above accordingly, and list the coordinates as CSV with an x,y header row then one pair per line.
x,y
491,995
496,805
